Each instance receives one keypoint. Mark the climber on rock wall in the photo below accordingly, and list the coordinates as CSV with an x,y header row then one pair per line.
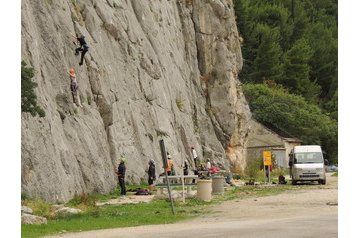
x,y
74,88
83,47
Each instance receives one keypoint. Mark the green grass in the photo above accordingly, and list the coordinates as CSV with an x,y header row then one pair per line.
x,y
155,212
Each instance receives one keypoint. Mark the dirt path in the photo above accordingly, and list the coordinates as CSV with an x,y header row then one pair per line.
x,y
310,212
301,202
130,199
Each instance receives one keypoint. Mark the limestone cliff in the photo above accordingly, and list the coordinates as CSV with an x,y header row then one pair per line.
x,y
161,69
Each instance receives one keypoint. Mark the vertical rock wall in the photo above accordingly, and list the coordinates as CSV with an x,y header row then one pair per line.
x,y
155,70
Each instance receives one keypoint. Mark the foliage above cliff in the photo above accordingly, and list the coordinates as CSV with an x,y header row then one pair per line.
x,y
294,43
274,106
28,96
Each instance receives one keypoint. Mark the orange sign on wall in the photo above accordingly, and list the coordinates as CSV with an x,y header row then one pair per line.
x,y
267,157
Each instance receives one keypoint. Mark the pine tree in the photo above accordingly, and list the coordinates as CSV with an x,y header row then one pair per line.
x,y
324,63
28,96
267,63
297,69
300,21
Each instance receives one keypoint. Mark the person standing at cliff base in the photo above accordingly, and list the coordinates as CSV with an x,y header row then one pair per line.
x,y
208,166
121,173
170,170
186,167
74,88
151,175
195,157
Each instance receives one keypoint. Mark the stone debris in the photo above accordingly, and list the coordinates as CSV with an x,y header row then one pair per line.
x,y
26,210
32,219
131,199
68,210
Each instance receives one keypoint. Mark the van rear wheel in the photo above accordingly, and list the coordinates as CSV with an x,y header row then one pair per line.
x,y
294,182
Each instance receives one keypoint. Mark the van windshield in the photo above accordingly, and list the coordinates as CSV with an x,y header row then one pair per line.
x,y
308,157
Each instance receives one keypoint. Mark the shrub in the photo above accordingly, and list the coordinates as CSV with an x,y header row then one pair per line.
x,y
180,104
161,133
83,200
28,96
253,167
89,99
39,207
279,110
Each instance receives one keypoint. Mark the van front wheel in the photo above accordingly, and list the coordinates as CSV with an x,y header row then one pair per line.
x,y
294,182
323,181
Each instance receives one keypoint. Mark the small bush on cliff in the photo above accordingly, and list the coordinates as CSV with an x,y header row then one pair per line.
x,y
28,96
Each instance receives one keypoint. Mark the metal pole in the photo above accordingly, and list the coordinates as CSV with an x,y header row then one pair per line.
x,y
165,165
265,173
269,173
182,179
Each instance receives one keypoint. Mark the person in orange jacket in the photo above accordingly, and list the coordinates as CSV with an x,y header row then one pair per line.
x,y
170,165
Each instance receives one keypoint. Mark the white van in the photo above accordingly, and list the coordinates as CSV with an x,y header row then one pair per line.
x,y
307,164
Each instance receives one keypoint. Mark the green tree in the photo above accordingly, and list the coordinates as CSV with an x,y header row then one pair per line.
x,y
300,21
297,69
331,106
276,108
249,44
276,16
295,44
324,62
267,63
28,96
263,27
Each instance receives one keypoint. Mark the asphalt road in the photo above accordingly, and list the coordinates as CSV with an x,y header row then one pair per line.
x,y
303,213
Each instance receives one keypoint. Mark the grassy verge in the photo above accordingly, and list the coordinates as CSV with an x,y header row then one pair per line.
x,y
155,212
112,216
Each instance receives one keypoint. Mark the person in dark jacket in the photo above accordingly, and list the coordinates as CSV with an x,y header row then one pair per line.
x,y
186,167
83,47
151,175
121,173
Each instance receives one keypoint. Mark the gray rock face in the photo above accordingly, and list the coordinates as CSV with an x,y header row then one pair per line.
x,y
32,219
155,70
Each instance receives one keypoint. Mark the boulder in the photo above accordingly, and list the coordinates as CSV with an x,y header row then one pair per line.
x,y
26,210
32,219
67,210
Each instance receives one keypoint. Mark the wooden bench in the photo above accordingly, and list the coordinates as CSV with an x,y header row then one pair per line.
x,y
173,182
188,186
174,179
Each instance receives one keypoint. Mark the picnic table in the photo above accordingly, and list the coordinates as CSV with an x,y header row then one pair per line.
x,y
217,173
176,181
